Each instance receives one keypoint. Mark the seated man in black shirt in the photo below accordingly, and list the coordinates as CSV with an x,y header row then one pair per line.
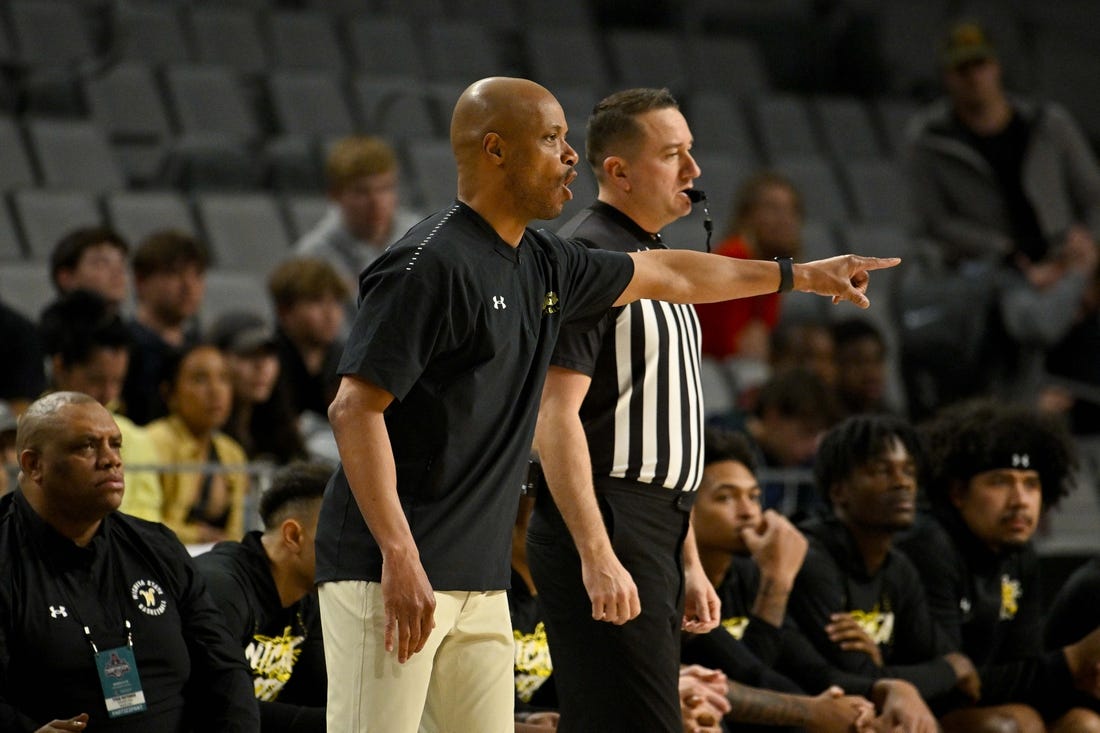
x,y
264,585
866,469
994,469
104,622
752,557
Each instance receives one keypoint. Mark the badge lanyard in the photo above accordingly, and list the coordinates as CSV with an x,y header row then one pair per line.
x,y
117,668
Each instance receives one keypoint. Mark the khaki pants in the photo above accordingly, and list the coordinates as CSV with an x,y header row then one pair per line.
x,y
462,681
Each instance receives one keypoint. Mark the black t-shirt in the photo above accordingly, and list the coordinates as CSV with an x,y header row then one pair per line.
x,y
192,672
1005,151
459,327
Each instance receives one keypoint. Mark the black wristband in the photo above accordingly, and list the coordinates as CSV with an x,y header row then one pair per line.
x,y
786,274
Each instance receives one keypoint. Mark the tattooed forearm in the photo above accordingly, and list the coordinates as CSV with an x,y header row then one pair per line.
x,y
770,603
752,705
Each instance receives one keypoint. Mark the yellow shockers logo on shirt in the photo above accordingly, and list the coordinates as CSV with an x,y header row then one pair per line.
x,y
272,660
533,665
736,626
1011,591
877,624
550,303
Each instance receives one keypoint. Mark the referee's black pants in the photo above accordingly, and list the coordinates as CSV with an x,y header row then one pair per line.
x,y
615,678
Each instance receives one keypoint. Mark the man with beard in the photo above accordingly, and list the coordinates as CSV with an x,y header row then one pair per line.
x,y
994,469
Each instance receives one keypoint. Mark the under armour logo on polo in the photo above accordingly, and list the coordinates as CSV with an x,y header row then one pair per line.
x,y
1021,460
498,303
58,612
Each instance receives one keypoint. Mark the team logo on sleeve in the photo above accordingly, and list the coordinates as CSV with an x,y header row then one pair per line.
x,y
150,597
550,304
1010,597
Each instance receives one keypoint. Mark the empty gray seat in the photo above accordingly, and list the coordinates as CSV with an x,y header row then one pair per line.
x,y
15,165
309,103
643,58
245,231
46,216
228,36
894,115
846,127
136,214
783,124
818,241
303,211
149,32
718,124
433,170
305,40
730,65
26,287
419,11
74,155
560,14
492,14
907,35
210,99
718,389
385,47
126,103
462,51
879,191
566,55
211,161
722,173
229,290
821,191
396,110
10,247
49,32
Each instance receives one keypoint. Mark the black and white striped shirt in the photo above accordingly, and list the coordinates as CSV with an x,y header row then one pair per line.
x,y
643,415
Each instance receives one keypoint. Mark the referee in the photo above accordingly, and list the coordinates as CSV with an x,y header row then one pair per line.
x,y
622,412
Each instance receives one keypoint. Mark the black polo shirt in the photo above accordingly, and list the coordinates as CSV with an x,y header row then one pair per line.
x,y
192,673
459,327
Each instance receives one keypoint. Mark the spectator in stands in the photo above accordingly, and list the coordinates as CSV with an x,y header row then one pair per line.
x,y
169,281
752,557
261,420
22,374
204,497
88,346
309,295
264,586
804,344
92,258
860,367
362,173
993,470
96,606
791,412
766,223
1008,190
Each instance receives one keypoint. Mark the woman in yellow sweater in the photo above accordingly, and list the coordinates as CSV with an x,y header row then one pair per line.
x,y
200,506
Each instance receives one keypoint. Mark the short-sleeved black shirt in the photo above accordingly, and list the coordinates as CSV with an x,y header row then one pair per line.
x,y
459,327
